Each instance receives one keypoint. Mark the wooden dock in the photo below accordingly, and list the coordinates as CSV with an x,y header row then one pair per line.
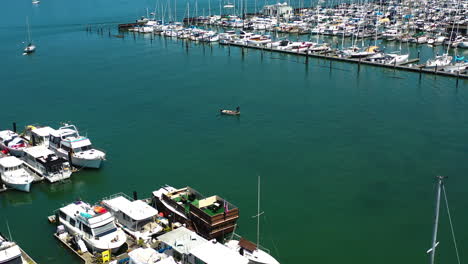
x,y
27,258
89,258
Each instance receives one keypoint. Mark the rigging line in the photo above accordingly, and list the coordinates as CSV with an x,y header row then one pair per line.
x,y
271,237
451,225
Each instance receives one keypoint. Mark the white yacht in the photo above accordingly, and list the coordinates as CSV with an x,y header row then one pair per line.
x,y
14,174
149,256
12,143
45,163
136,218
66,141
439,61
94,225
10,253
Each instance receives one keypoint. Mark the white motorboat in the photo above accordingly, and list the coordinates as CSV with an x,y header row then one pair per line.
x,y
66,142
439,61
35,2
94,225
136,218
47,164
258,40
149,256
30,48
14,174
12,143
395,58
10,252
459,65
320,47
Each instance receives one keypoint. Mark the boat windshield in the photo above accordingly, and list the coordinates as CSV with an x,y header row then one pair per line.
x,y
83,148
104,229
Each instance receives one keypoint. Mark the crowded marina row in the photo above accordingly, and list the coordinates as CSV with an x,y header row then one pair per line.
x,y
44,153
444,23
173,226
445,62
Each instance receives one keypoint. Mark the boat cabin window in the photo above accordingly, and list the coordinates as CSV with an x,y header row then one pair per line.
x,y
72,221
86,229
13,168
83,148
104,229
66,148
55,140
62,215
37,139
142,223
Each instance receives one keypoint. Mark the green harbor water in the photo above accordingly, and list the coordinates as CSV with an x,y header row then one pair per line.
x,y
347,158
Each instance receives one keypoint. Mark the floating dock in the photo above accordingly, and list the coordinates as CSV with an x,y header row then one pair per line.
x,y
27,258
408,66
89,258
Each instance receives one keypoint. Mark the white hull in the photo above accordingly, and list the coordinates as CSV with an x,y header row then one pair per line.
x,y
87,163
80,162
24,187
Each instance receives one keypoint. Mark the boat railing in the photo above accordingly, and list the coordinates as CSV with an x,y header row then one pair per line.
x,y
117,195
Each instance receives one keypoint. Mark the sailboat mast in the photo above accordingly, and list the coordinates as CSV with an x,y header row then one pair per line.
x,y
258,213
29,32
436,220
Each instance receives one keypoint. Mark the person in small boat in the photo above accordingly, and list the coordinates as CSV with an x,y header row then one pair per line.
x,y
238,109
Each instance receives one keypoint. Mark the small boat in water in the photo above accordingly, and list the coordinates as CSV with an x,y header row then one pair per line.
x,y
230,112
14,174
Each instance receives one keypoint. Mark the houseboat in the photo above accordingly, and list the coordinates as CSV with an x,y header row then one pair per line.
x,y
136,218
212,217
47,164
